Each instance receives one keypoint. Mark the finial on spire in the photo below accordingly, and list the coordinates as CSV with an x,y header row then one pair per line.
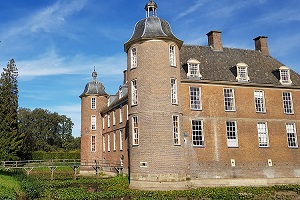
x,y
94,74
151,6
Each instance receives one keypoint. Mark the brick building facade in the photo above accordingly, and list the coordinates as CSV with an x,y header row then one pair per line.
x,y
195,115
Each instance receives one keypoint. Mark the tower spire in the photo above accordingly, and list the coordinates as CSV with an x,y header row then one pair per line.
x,y
151,7
94,75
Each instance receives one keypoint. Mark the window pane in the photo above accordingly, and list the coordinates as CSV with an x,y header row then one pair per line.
x,y
176,129
287,102
134,92
195,101
291,135
262,134
135,130
231,134
172,55
259,101
174,91
133,58
229,99
197,134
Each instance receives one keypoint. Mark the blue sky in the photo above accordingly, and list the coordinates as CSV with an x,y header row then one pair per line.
x,y
57,43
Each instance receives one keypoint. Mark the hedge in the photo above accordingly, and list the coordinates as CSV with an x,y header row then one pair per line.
x,y
42,155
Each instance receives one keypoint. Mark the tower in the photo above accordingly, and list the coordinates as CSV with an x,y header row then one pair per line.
x,y
93,99
155,116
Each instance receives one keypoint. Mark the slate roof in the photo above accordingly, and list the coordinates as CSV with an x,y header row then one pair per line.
x,y
150,28
94,87
221,65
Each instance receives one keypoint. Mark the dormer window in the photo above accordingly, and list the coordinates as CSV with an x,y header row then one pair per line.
x,y
120,92
242,72
193,68
285,77
133,58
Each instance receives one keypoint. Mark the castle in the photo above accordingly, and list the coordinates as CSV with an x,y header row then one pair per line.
x,y
189,115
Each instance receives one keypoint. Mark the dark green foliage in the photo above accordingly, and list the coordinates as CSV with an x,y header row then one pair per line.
x,y
11,141
42,155
7,194
32,188
46,131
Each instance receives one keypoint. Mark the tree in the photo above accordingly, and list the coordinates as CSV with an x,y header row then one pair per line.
x,y
11,141
46,131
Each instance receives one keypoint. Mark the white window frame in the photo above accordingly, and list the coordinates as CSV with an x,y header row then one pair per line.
x,y
231,134
114,118
127,113
259,101
121,113
108,142
93,103
93,143
176,131
287,100
103,143
93,122
291,135
242,72
229,99
195,98
135,130
172,55
115,140
263,136
285,76
133,53
121,140
103,122
193,68
134,93
108,120
174,98
197,133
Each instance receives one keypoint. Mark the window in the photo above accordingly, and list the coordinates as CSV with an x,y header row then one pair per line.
x,y
127,113
174,91
197,133
172,56
114,117
263,139
108,142
108,120
231,134
176,129
93,143
229,101
93,103
121,114
195,98
242,72
287,102
285,75
133,58
291,135
121,140
134,94
93,122
103,142
115,139
120,92
193,68
135,130
103,122
259,101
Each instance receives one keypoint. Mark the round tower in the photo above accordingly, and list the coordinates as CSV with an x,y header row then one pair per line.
x,y
155,116
93,99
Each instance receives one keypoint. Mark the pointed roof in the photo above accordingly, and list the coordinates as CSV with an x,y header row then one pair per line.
x,y
152,27
94,87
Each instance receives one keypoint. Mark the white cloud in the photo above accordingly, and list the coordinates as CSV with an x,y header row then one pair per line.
x,y
50,63
49,19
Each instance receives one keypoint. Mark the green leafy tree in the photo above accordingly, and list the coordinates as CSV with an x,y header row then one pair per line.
x,y
46,131
11,141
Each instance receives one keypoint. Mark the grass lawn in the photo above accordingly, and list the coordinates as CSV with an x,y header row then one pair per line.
x,y
39,186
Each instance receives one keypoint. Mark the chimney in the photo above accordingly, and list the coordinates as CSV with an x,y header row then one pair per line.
x,y
214,40
262,45
125,77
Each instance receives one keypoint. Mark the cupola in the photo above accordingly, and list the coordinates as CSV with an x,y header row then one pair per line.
x,y
152,27
94,87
